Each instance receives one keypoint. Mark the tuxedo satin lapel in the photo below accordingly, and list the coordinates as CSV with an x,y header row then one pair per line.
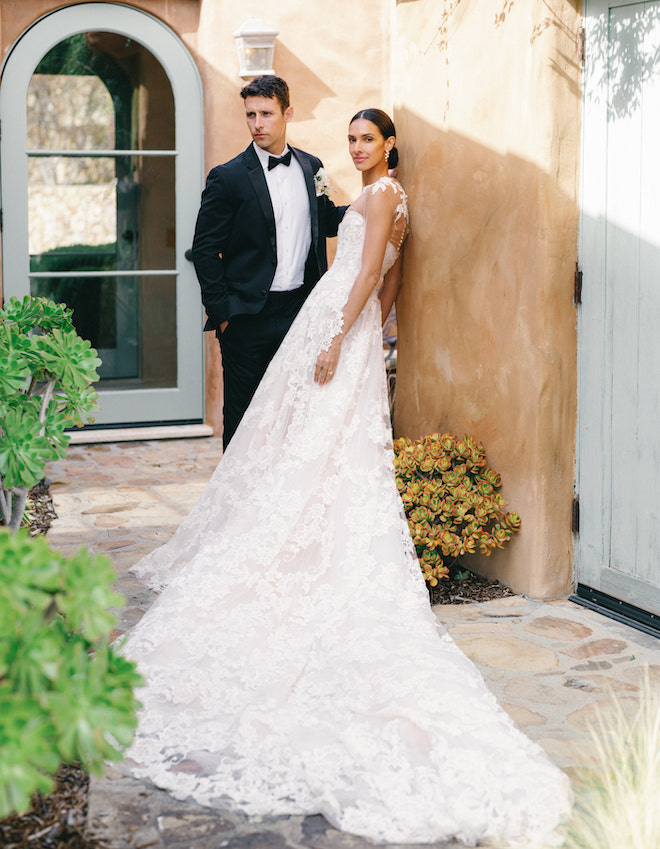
x,y
256,175
306,166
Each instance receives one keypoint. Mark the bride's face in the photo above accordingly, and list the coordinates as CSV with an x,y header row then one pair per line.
x,y
366,144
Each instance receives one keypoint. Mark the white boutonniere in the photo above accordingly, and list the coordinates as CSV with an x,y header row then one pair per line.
x,y
322,183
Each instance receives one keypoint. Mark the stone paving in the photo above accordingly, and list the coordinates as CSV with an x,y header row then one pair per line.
x,y
553,666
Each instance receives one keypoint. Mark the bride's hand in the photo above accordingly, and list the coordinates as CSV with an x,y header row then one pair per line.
x,y
326,362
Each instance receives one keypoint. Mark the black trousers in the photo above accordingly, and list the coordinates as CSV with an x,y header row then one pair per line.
x,y
248,345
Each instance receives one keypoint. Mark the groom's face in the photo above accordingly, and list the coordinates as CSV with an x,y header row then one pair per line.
x,y
267,123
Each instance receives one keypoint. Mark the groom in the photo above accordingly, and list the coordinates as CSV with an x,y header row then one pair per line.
x,y
259,244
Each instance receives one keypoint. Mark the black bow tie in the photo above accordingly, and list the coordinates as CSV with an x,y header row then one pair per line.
x,y
274,161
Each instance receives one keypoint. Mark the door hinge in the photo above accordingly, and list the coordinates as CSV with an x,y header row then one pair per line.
x,y
1,221
581,45
575,515
577,285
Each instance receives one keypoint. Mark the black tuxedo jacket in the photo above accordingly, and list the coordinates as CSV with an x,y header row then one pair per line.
x,y
234,249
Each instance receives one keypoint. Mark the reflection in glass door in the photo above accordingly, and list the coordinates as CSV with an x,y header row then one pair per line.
x,y
100,139
103,204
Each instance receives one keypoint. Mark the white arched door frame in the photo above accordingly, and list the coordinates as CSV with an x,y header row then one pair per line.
x,y
185,402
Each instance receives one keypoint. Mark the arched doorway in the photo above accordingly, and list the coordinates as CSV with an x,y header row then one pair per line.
x,y
102,169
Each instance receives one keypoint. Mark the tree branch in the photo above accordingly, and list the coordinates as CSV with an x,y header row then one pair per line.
x,y
5,505
19,500
45,401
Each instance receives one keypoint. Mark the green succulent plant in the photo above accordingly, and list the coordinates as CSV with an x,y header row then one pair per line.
x,y
451,501
65,693
46,372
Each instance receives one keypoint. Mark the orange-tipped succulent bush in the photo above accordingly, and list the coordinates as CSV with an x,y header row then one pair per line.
x,y
451,501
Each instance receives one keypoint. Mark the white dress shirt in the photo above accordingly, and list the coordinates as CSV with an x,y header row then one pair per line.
x,y
293,228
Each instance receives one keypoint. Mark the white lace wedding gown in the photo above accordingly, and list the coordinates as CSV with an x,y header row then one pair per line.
x,y
294,665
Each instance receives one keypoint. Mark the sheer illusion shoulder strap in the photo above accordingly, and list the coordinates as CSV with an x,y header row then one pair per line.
x,y
399,200
395,191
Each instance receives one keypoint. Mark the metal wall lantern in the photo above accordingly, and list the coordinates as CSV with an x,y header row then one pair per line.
x,y
255,45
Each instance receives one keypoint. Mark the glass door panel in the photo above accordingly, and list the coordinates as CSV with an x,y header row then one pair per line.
x,y
130,320
69,112
115,210
95,207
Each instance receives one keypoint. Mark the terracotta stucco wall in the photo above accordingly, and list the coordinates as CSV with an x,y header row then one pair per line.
x,y
487,107
334,63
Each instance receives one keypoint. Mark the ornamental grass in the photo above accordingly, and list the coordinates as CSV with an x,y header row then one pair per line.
x,y
617,799
451,500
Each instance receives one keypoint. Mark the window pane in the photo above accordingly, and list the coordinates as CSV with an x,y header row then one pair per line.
x,y
100,91
101,213
131,321
69,113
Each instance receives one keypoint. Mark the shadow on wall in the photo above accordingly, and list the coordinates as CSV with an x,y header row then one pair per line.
x,y
488,339
634,61
487,331
305,99
487,323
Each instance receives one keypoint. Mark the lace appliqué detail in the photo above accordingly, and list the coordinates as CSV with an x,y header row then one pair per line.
x,y
352,231
400,219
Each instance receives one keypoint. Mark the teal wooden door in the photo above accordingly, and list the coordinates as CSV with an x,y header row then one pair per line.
x,y
618,444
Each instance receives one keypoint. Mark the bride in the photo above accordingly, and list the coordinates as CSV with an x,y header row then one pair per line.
x,y
292,660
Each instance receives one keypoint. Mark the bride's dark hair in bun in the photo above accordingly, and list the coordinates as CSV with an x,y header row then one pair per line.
x,y
386,127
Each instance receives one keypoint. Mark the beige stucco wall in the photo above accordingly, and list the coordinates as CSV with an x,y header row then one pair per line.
x,y
487,107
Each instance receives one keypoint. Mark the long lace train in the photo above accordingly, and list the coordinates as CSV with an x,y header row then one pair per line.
x,y
294,665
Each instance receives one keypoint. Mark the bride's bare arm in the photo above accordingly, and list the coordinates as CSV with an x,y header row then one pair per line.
x,y
378,217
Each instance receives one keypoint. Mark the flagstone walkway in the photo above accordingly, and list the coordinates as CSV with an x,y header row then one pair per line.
x,y
553,666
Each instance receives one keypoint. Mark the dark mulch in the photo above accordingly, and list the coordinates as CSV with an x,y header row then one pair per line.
x,y
58,821
462,587
40,505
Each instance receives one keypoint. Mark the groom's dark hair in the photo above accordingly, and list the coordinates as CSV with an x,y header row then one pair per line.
x,y
268,85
